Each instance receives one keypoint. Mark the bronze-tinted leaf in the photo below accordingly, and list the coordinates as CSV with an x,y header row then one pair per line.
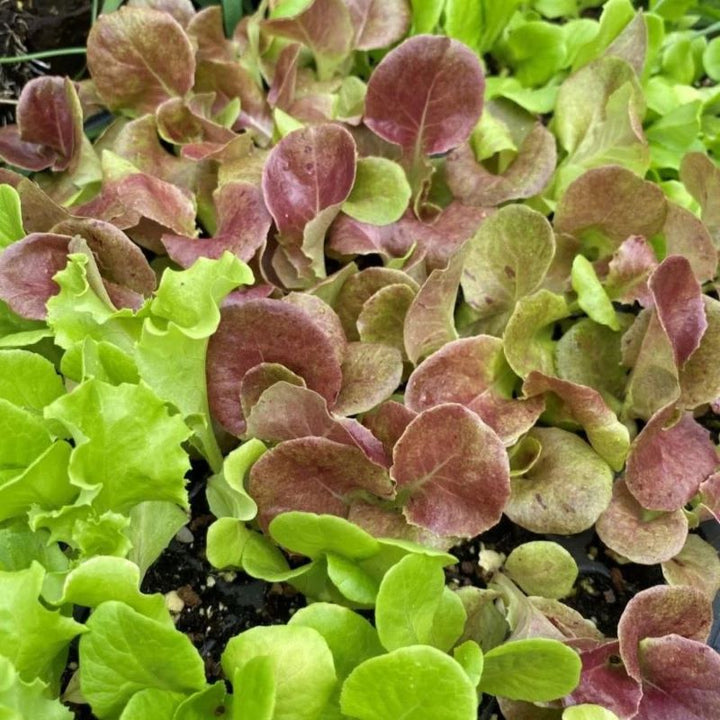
x,y
139,58
625,529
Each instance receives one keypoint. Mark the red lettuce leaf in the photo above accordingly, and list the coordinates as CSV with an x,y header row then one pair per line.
x,y
679,306
388,422
16,151
686,235
265,330
680,679
314,474
243,225
603,681
182,10
309,170
669,459
662,610
701,177
629,271
426,95
453,470
259,378
138,58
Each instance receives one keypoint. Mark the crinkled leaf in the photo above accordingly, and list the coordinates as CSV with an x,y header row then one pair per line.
x,y
426,95
152,526
608,436
380,194
697,565
126,443
507,259
314,474
565,491
668,460
658,611
19,699
32,636
453,470
624,528
420,678
265,330
542,568
371,373
301,664
128,55
118,657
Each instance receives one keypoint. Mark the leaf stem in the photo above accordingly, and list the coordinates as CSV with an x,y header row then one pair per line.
x,y
41,55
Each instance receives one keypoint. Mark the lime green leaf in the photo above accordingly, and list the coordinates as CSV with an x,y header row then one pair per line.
x,y
301,662
470,656
592,297
413,609
542,568
152,703
380,194
254,685
31,636
415,682
28,379
119,657
536,670
11,225
425,15
152,526
126,442
588,712
25,700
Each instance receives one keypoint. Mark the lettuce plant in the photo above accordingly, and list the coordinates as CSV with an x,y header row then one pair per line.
x,y
389,272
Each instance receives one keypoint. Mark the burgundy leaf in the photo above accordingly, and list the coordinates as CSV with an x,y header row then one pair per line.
x,y
243,222
709,493
679,305
49,114
139,58
387,422
527,175
669,459
629,270
509,418
309,170
700,377
206,29
426,95
314,474
282,89
27,268
624,528
454,471
22,154
378,23
350,237
604,682
662,610
430,319
265,330
182,122
371,373
607,435
259,378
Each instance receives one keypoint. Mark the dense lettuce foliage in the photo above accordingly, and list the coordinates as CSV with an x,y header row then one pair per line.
x,y
391,271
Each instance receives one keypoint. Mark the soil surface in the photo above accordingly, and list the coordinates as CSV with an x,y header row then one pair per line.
x,y
28,26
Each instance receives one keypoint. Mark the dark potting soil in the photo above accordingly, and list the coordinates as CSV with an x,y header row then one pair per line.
x,y
28,26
